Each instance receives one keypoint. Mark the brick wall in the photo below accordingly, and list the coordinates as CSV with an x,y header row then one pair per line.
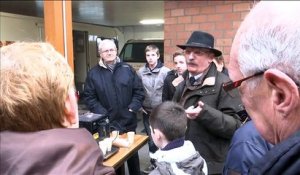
x,y
220,18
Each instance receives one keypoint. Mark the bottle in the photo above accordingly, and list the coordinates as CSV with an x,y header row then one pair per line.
x,y
107,128
103,127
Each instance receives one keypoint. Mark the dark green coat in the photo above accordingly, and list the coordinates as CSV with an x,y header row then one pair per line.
x,y
212,131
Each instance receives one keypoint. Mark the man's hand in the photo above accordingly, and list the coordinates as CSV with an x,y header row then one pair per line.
x,y
193,112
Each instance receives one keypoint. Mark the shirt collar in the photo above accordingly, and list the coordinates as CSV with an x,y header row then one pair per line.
x,y
174,144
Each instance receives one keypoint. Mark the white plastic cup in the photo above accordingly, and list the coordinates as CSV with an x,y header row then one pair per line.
x,y
114,134
108,142
130,137
103,146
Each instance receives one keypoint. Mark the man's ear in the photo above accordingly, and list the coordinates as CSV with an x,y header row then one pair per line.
x,y
71,118
158,134
211,56
285,92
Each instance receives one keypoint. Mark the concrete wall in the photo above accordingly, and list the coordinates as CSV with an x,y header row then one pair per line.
x,y
26,28
20,28
220,18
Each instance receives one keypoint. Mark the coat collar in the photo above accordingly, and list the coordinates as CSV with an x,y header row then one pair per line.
x,y
101,63
209,76
176,154
147,70
157,68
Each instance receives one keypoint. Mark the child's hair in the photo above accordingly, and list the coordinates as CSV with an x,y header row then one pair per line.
x,y
170,118
151,48
177,53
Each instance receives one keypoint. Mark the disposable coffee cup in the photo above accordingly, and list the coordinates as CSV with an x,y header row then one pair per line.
x,y
114,134
103,146
108,142
130,137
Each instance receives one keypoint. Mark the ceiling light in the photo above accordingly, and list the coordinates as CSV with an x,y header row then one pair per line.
x,y
152,21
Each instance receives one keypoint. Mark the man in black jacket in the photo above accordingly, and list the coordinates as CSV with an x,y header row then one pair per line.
x,y
174,77
264,65
113,88
212,112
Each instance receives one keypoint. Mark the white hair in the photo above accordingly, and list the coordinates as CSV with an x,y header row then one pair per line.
x,y
106,42
270,38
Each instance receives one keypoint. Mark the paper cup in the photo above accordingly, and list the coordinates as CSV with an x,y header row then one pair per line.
x,y
114,134
108,142
130,137
103,146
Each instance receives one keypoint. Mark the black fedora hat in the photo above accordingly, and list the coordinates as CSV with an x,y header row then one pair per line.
x,y
201,39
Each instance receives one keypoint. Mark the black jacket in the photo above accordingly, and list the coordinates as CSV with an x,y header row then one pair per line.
x,y
114,93
168,88
212,131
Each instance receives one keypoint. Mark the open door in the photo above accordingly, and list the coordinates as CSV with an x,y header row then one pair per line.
x,y
81,61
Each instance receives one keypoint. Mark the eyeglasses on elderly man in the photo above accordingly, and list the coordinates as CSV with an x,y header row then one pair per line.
x,y
228,86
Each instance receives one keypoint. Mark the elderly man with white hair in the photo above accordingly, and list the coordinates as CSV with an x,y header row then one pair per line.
x,y
265,67
113,88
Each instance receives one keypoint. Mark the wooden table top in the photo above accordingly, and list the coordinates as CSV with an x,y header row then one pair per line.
x,y
123,154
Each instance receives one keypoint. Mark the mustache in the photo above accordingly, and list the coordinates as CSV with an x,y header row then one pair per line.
x,y
191,64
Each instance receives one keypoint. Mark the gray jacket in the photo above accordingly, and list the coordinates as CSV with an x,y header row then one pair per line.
x,y
180,161
153,81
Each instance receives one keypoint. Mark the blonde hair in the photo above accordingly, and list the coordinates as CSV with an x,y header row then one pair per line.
x,y
35,80
152,48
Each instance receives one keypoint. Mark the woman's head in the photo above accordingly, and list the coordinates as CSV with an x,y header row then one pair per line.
x,y
36,81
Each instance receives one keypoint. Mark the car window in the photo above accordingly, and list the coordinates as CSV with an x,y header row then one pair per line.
x,y
135,52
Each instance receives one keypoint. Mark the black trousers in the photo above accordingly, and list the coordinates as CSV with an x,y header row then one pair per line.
x,y
133,164
152,147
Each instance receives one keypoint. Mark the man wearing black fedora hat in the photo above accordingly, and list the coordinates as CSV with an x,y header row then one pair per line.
x,y
212,112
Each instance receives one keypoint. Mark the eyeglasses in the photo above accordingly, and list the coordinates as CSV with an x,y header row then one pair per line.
x,y
196,52
232,85
107,51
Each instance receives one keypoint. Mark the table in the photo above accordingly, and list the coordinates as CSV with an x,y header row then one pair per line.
x,y
117,160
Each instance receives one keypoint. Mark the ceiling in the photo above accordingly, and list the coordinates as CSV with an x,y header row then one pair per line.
x,y
107,13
